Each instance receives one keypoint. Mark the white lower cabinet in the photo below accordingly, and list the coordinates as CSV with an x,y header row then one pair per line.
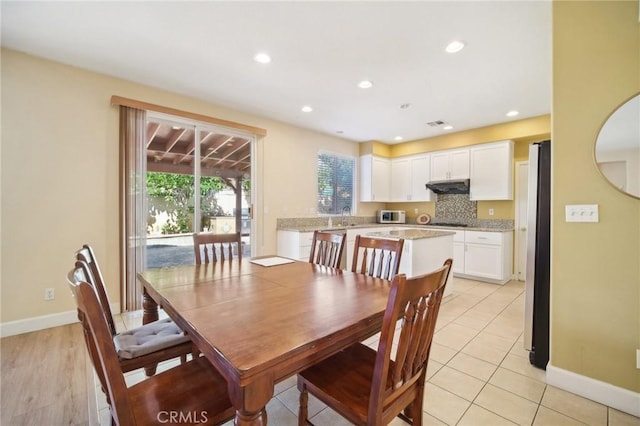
x,y
458,252
488,256
424,255
481,255
294,244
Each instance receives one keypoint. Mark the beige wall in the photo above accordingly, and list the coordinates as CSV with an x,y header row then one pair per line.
x,y
595,288
60,175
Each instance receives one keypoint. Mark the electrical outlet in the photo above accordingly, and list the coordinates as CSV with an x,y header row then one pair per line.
x,y
415,211
49,294
490,212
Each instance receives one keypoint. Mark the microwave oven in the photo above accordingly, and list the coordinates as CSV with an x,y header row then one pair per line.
x,y
391,216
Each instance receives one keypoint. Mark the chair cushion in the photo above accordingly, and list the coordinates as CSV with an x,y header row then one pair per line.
x,y
148,338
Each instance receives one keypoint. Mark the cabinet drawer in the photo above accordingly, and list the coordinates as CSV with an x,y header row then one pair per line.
x,y
482,237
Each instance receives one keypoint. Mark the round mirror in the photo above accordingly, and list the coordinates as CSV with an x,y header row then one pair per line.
x,y
617,150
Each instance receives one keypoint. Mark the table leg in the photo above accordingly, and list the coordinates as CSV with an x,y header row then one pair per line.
x,y
258,418
149,308
250,401
149,314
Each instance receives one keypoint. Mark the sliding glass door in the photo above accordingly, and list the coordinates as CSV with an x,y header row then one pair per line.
x,y
198,179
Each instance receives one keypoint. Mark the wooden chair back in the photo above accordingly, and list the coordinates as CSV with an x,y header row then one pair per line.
x,y
327,248
94,277
100,346
415,301
211,247
377,257
194,387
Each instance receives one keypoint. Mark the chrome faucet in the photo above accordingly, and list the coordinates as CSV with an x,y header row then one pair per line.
x,y
346,209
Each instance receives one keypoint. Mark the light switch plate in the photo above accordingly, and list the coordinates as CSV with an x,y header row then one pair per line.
x,y
581,213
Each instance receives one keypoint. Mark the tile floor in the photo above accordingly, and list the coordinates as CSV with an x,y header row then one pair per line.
x,y
479,373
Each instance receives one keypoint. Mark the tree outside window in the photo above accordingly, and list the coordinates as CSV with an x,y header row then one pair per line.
x,y
335,183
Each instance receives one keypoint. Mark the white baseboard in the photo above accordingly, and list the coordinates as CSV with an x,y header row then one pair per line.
x,y
11,328
27,325
595,390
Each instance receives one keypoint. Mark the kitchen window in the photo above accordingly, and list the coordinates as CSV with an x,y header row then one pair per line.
x,y
335,183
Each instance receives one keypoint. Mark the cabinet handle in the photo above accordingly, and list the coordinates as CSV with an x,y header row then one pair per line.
x,y
482,238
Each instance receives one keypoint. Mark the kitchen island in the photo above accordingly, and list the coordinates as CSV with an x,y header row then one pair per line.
x,y
424,250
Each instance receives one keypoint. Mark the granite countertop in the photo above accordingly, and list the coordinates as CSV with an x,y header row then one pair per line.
x,y
411,234
311,228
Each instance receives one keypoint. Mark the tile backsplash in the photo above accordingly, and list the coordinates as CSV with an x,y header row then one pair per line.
x,y
456,207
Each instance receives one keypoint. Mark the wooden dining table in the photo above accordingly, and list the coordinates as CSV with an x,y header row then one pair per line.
x,y
259,324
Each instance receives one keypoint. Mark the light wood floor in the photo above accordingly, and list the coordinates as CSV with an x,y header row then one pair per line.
x,y
44,378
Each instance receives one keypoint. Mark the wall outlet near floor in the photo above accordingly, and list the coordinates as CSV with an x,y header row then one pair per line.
x,y
49,294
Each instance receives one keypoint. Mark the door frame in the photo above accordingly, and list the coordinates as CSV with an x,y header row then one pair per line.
x,y
520,275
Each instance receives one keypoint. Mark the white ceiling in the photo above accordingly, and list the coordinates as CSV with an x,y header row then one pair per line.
x,y
319,50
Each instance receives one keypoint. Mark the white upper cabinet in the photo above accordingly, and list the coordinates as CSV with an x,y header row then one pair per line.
x,y
400,179
420,173
408,178
451,164
492,171
375,178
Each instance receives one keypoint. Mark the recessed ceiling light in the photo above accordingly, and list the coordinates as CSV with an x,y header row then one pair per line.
x,y
365,84
447,127
512,113
262,58
455,46
307,108
398,138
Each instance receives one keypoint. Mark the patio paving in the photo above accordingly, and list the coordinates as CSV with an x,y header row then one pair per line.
x,y
177,250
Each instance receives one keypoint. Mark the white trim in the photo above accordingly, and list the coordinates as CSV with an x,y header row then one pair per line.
x,y
596,390
27,325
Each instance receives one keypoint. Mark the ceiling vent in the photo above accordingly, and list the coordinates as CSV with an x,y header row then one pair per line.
x,y
437,123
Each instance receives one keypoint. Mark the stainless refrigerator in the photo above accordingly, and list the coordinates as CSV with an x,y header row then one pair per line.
x,y
537,279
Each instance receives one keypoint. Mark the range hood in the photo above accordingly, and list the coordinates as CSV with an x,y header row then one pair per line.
x,y
458,186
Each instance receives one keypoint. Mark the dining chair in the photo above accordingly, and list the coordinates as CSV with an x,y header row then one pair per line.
x,y
193,392
327,248
380,257
139,347
212,247
370,387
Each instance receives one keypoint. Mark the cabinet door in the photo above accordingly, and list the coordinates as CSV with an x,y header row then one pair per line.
x,y
440,166
374,178
453,164
459,164
420,175
401,179
492,172
458,258
380,179
483,260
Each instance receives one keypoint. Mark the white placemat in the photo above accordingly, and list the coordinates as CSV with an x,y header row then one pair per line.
x,y
272,261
